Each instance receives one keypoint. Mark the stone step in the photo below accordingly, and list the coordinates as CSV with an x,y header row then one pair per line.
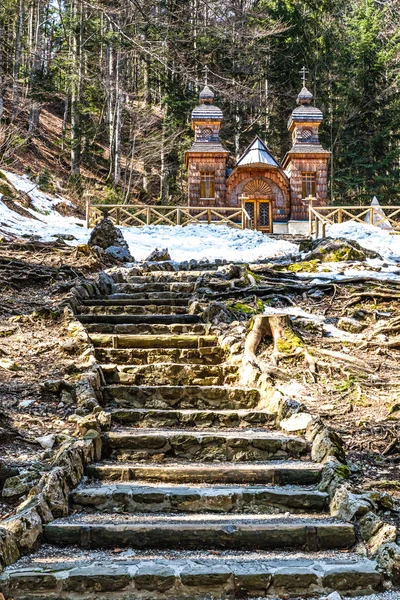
x,y
126,301
276,473
141,498
95,314
167,276
182,397
119,325
151,287
213,355
144,417
173,296
195,531
194,445
86,575
170,374
104,340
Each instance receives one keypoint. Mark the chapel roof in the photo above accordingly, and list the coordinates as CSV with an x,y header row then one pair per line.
x,y
207,112
257,153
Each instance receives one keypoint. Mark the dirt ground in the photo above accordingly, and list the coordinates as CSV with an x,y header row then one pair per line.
x,y
35,347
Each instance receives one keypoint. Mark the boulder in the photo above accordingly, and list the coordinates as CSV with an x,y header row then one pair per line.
x,y
345,505
351,325
337,250
388,558
385,535
47,441
17,486
119,253
159,255
296,423
106,236
9,552
369,525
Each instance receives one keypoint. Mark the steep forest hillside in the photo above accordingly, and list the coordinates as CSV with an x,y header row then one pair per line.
x,y
96,96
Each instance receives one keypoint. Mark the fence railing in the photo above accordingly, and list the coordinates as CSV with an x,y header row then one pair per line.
x,y
387,217
140,215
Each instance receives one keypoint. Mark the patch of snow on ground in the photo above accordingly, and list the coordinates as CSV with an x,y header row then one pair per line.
x,y
205,241
369,237
184,243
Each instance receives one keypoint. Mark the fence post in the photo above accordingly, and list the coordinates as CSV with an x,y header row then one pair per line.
x,y
209,216
117,215
148,215
178,216
340,216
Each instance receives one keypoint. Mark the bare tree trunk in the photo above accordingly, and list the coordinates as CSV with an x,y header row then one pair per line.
x,y
36,67
18,53
65,121
164,187
1,73
75,90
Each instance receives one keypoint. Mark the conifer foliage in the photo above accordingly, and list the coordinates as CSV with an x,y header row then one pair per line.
x,y
123,76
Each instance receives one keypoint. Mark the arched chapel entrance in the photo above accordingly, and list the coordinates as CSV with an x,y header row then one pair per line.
x,y
256,199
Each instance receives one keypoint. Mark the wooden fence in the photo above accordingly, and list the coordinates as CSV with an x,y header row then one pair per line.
x,y
387,217
134,215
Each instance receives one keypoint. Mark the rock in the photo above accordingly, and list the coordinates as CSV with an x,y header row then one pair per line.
x,y
216,312
351,325
47,441
345,505
368,525
388,558
386,534
158,255
9,552
327,443
105,235
297,422
18,485
337,250
334,596
52,385
118,253
26,403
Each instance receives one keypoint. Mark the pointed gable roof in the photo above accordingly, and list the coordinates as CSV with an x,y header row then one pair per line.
x,y
257,153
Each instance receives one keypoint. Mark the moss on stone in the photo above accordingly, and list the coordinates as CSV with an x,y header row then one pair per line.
x,y
342,471
309,266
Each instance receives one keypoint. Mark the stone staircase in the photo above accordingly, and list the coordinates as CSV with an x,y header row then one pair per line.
x,y
197,495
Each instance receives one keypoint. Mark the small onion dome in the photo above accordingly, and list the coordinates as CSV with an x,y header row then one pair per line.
x,y
206,95
305,96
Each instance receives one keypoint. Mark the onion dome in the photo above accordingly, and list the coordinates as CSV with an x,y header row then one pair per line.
x,y
206,95
305,96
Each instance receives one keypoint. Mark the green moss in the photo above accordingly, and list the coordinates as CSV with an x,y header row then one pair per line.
x,y
260,305
309,266
242,308
342,471
2,176
289,342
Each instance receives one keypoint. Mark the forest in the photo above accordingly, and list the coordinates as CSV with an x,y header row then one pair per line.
x,y
96,96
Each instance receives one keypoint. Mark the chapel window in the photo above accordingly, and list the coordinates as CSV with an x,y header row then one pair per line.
x,y
308,185
207,185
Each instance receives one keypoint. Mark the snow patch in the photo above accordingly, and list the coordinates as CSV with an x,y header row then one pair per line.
x,y
184,243
369,237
